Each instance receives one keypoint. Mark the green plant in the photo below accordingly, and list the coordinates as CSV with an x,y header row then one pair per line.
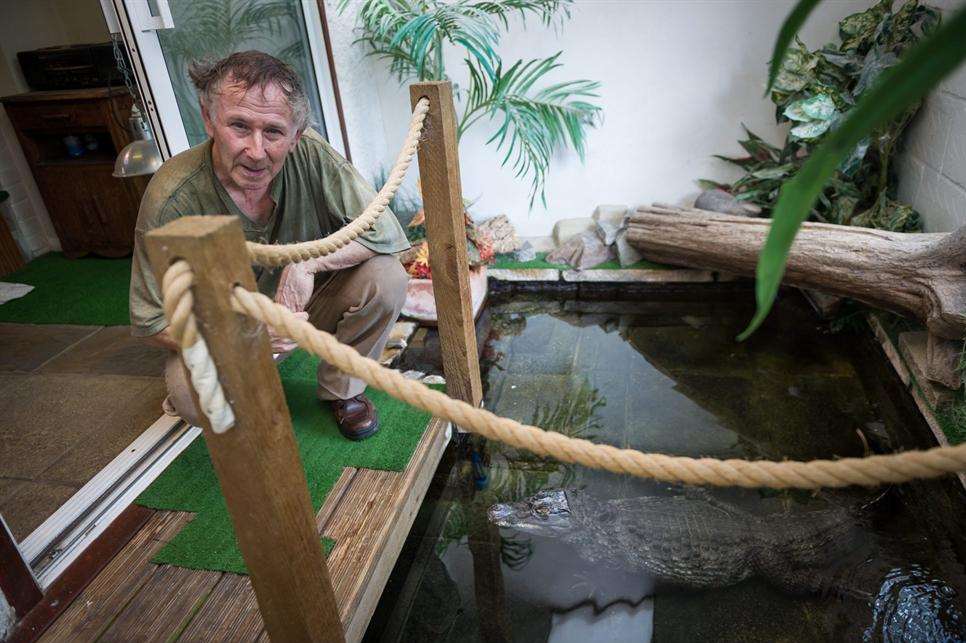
x,y
533,120
814,91
894,91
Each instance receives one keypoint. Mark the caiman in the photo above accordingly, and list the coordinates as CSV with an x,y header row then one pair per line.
x,y
695,540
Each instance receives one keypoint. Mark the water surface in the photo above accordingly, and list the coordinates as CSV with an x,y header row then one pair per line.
x,y
666,375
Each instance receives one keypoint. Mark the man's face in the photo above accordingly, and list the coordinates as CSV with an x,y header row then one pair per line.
x,y
252,132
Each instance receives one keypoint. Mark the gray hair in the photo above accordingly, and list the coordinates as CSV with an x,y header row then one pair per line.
x,y
251,69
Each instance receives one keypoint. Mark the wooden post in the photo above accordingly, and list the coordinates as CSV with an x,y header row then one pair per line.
x,y
256,460
439,173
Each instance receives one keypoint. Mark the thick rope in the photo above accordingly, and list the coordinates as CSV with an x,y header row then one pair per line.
x,y
178,308
279,255
872,470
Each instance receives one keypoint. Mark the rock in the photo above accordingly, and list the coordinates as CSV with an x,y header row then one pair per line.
x,y
502,232
582,251
610,220
526,252
566,229
434,379
720,201
413,375
627,254
540,244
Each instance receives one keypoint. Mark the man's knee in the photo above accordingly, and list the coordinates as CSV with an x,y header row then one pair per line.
x,y
179,390
389,279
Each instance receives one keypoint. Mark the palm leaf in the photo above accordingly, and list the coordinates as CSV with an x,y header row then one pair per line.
x,y
894,91
532,123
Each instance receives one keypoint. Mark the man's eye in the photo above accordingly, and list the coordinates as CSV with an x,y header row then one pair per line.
x,y
239,126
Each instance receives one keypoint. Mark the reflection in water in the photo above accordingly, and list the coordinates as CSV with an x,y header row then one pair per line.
x,y
531,549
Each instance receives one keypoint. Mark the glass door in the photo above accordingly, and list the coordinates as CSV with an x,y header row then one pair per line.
x,y
164,37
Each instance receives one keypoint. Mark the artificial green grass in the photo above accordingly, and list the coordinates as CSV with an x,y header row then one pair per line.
x,y
89,291
507,262
190,483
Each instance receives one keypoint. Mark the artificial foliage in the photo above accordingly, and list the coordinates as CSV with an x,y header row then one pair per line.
x,y
531,119
895,90
813,92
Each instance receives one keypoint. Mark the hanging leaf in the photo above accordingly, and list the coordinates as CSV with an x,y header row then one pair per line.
x,y
810,130
819,107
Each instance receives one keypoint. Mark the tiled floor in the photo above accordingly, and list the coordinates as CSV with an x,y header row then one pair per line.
x,y
71,397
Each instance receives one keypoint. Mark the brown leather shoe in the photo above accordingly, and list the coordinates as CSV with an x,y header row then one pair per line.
x,y
356,417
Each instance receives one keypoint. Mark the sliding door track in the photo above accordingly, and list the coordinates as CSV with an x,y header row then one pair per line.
x,y
64,535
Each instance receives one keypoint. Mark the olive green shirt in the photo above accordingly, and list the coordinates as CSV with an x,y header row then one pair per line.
x,y
316,193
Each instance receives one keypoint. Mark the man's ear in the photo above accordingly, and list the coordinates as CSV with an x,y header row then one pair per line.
x,y
206,117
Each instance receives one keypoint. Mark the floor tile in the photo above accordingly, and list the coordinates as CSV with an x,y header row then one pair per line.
x,y
28,503
24,347
110,351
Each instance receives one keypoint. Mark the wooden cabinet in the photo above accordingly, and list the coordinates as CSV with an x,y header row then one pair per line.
x,y
92,211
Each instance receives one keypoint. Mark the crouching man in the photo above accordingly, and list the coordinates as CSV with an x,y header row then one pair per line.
x,y
262,163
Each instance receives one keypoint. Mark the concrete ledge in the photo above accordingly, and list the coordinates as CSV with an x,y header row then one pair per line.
x,y
912,347
909,379
682,275
523,274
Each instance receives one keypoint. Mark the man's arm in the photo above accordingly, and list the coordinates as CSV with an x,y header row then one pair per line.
x,y
298,279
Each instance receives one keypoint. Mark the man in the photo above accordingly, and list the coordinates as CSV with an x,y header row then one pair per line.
x,y
264,165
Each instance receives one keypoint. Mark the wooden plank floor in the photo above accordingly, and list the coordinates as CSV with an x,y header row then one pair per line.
x,y
368,514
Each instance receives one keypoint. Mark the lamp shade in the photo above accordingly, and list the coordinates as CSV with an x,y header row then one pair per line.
x,y
137,158
141,156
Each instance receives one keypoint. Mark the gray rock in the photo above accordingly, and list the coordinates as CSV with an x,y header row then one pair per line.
x,y
566,229
626,253
582,251
610,221
720,201
526,252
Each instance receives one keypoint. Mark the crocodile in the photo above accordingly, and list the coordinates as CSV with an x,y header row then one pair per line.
x,y
696,540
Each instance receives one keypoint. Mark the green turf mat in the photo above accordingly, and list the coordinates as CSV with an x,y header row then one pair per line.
x,y
190,484
507,262
88,291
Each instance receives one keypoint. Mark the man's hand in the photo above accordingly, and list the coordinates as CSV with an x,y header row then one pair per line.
x,y
284,344
296,285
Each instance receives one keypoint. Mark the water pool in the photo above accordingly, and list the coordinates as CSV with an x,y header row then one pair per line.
x,y
636,560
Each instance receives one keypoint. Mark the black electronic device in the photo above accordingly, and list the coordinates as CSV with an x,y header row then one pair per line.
x,y
70,67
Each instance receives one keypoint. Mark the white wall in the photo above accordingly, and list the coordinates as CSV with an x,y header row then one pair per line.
x,y
932,166
30,24
679,77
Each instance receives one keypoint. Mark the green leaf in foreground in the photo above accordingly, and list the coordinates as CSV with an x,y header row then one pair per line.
x,y
789,28
897,88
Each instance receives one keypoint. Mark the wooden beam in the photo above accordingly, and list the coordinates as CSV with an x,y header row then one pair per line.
x,y
257,461
439,172
17,581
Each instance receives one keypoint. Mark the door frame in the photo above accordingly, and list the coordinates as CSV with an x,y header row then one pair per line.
x,y
138,29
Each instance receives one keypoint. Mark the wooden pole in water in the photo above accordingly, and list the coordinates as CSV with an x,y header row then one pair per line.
x,y
439,173
256,460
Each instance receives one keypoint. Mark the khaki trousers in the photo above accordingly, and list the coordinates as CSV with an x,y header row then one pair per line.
x,y
358,305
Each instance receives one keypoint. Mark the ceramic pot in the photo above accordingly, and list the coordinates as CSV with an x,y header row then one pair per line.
x,y
421,303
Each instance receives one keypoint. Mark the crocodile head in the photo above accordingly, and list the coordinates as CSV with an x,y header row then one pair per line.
x,y
546,513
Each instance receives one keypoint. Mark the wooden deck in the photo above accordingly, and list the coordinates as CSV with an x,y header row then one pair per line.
x,y
368,514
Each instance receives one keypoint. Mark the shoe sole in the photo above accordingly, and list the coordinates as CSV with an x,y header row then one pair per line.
x,y
361,435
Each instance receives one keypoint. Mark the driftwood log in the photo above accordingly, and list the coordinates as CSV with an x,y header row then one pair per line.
x,y
920,275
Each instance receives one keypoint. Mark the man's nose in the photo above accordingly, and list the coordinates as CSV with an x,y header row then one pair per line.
x,y
256,146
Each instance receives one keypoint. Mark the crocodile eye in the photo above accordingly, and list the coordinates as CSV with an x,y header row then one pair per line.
x,y
542,510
